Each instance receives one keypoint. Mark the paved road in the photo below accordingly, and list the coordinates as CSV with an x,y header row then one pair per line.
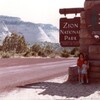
x,y
19,75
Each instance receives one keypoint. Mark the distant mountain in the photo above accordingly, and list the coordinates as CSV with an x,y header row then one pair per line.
x,y
4,31
31,31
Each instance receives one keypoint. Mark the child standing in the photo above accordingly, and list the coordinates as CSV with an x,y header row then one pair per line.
x,y
84,72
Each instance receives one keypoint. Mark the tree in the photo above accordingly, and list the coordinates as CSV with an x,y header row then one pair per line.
x,y
48,50
14,43
43,51
36,48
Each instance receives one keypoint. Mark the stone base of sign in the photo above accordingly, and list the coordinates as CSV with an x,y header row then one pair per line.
x,y
87,41
95,63
90,4
85,34
94,49
84,48
94,71
94,56
94,77
89,45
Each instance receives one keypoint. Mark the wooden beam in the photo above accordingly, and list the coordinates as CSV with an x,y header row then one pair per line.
x,y
71,10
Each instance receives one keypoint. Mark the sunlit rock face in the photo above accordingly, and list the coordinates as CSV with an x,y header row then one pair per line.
x,y
4,31
32,32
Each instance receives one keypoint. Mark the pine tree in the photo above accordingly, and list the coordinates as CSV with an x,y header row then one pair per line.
x,y
14,43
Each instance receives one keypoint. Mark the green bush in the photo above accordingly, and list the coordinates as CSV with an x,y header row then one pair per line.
x,y
14,43
76,54
65,53
42,53
26,54
75,51
52,55
36,48
5,55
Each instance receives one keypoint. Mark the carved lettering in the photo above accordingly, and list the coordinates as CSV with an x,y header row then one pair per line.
x,y
69,32
70,25
72,38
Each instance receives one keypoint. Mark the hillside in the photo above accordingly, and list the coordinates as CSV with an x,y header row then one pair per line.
x,y
31,31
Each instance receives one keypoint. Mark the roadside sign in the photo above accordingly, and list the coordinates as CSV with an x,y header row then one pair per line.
x,y
69,32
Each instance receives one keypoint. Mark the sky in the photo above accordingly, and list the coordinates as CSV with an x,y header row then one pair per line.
x,y
37,11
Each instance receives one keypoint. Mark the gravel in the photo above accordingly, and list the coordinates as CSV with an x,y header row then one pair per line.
x,y
54,89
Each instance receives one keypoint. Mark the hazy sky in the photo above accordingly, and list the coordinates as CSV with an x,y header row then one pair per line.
x,y
37,11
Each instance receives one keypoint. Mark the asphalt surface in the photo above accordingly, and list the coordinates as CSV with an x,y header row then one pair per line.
x,y
19,72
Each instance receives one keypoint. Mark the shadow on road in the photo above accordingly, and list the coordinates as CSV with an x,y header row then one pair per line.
x,y
65,89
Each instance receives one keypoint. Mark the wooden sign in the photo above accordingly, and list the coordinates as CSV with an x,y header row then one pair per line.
x,y
69,32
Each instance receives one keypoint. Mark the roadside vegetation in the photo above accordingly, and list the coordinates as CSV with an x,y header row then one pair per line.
x,y
15,46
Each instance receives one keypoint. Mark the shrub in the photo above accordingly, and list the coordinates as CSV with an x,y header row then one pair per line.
x,y
36,48
76,54
52,55
75,51
65,53
26,54
42,53
5,55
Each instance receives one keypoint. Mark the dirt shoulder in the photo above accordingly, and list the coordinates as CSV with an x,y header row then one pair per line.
x,y
58,88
